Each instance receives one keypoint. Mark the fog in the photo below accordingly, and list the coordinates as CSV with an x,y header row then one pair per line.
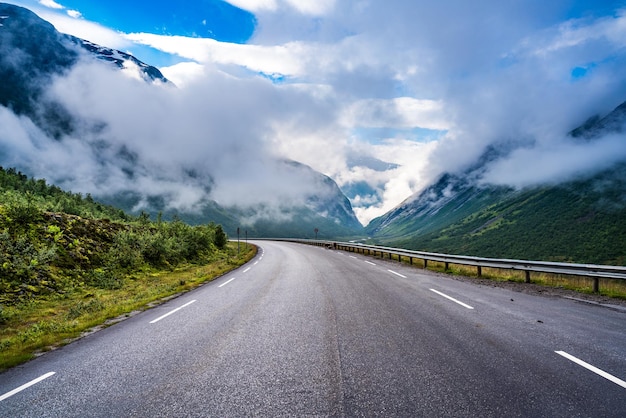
x,y
415,89
208,140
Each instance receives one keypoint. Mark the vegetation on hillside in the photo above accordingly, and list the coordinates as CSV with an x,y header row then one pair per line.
x,y
51,241
582,221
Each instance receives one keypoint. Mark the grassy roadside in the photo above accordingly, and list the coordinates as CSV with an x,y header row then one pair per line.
x,y
38,325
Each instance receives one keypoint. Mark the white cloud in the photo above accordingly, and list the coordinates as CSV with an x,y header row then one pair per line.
x,y
281,59
576,33
215,126
556,161
399,112
74,14
51,4
312,7
391,186
255,5
307,7
487,72
184,73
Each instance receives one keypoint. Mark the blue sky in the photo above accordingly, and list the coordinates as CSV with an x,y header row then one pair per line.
x,y
421,85
205,19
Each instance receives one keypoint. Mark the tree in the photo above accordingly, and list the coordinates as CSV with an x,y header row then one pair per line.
x,y
221,238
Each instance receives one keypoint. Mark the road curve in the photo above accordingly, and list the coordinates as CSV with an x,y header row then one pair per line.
x,y
309,331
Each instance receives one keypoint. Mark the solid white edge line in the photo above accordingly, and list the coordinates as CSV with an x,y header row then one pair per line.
x,y
452,299
171,312
369,262
26,386
397,274
225,283
597,371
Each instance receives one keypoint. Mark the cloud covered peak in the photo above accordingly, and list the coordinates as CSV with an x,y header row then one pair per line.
x,y
425,87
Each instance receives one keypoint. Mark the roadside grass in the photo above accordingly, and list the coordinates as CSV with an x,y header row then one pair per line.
x,y
607,287
39,325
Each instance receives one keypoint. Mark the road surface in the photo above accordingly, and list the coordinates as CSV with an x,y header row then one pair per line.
x,y
308,331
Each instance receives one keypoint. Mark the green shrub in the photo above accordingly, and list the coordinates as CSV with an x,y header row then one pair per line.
x,y
126,252
22,215
24,268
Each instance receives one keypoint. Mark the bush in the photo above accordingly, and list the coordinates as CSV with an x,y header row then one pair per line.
x,y
153,249
24,268
22,215
126,252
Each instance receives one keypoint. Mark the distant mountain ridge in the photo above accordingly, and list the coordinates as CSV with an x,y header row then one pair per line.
x,y
581,220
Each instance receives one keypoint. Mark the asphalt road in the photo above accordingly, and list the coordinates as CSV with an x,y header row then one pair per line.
x,y
306,331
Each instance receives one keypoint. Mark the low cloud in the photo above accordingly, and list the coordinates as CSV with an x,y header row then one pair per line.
x,y
318,79
556,161
206,140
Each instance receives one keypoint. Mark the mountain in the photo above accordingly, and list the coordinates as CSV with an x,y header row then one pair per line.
x,y
326,209
448,200
580,220
597,126
33,54
32,51
122,60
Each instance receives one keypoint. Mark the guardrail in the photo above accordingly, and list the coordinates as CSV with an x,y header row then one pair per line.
x,y
593,271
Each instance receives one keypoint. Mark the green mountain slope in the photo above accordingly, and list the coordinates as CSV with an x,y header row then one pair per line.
x,y
580,221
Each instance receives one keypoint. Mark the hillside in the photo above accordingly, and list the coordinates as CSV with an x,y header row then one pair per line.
x,y
447,201
53,241
582,220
